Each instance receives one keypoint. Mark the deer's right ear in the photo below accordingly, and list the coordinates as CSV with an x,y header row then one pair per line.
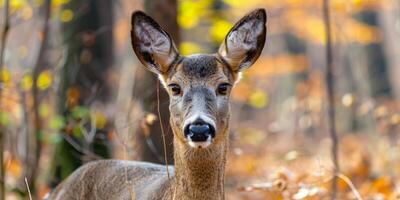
x,y
152,45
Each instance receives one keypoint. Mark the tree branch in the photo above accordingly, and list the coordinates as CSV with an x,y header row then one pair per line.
x,y
331,95
37,122
2,129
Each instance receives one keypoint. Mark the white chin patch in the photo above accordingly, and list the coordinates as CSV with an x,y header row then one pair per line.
x,y
200,145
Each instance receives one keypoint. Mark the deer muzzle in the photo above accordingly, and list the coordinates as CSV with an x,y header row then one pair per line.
x,y
199,133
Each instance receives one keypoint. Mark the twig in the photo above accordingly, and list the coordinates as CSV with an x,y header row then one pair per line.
x,y
344,178
24,131
162,128
154,150
2,129
27,187
331,95
351,185
79,148
35,94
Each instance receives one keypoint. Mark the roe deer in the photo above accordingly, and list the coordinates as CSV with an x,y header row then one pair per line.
x,y
199,87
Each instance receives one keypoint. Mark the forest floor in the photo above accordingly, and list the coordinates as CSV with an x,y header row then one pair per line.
x,y
301,169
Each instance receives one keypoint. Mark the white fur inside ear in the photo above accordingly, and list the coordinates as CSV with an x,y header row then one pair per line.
x,y
162,80
244,38
244,42
154,41
239,77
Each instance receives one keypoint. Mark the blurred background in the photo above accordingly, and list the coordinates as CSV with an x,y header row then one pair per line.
x,y
72,91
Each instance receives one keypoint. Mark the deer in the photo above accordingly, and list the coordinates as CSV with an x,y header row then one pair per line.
x,y
199,88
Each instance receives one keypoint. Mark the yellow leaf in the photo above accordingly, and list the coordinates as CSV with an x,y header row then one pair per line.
x,y
360,32
187,48
357,3
16,5
242,3
26,82
100,120
258,99
5,76
66,15
189,12
219,29
188,16
44,80
56,3
315,28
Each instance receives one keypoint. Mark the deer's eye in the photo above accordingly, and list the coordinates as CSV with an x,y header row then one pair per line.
x,y
223,88
175,88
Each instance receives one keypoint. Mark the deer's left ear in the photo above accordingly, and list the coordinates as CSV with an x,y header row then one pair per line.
x,y
245,41
152,45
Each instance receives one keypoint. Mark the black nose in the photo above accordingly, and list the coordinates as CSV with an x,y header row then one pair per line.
x,y
199,131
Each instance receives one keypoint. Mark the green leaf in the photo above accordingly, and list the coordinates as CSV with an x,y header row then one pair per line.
x,y
80,112
40,135
55,138
4,119
77,131
57,122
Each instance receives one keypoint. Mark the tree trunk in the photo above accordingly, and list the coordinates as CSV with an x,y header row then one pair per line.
x,y
84,83
34,138
3,40
377,64
152,147
387,20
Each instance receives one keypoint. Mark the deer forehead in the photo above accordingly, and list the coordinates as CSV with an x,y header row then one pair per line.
x,y
200,68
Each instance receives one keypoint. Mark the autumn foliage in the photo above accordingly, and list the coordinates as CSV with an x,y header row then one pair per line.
x,y
280,147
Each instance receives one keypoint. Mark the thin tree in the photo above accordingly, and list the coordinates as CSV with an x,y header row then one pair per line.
x,y
331,96
33,159
2,128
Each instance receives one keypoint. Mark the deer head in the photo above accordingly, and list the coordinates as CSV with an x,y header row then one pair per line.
x,y
199,86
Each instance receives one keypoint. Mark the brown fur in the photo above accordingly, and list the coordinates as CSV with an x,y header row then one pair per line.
x,y
198,172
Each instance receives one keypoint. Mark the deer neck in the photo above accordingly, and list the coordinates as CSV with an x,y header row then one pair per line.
x,y
199,173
